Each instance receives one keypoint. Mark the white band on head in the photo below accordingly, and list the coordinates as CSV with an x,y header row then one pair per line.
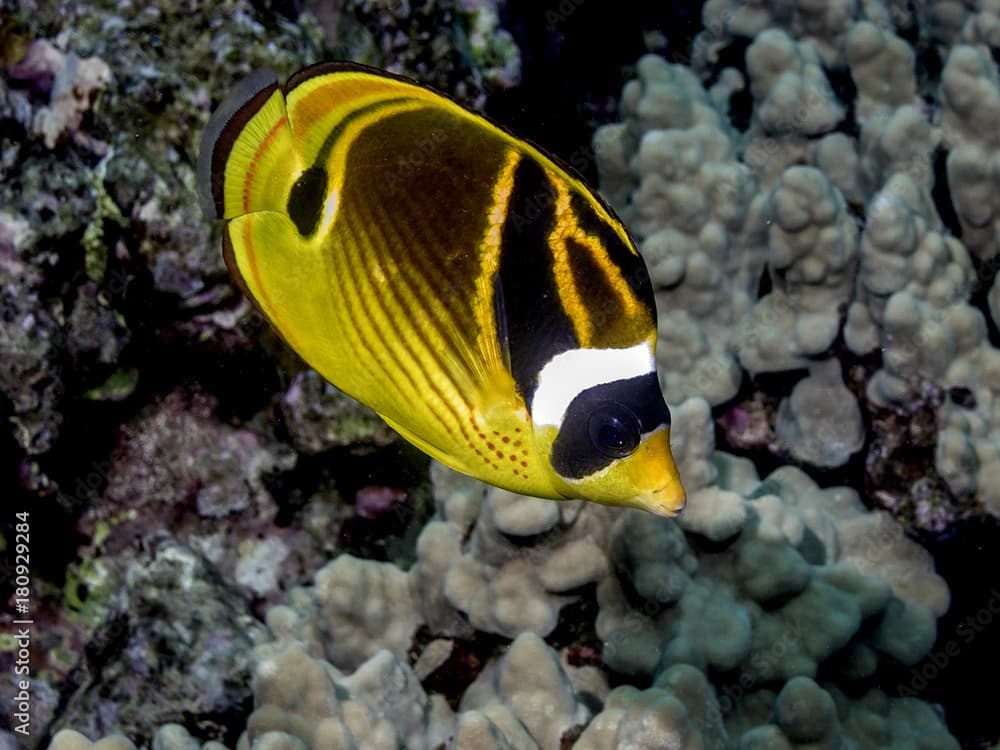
x,y
570,373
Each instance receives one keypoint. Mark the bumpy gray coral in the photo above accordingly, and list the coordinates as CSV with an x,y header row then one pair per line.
x,y
304,702
907,297
812,261
882,68
779,237
363,606
671,170
521,564
821,421
774,596
530,682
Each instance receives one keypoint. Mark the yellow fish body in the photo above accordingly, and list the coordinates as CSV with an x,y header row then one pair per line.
x,y
453,277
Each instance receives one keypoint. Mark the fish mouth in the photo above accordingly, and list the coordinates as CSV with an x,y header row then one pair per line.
x,y
667,501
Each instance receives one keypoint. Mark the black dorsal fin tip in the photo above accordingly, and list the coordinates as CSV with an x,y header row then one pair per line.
x,y
341,66
224,126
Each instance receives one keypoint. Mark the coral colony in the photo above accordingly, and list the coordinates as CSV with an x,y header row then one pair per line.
x,y
248,562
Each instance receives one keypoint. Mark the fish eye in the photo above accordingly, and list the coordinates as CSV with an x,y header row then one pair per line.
x,y
614,430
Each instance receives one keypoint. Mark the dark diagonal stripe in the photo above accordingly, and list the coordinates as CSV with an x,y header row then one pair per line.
x,y
632,266
429,174
396,244
537,326
592,283
385,246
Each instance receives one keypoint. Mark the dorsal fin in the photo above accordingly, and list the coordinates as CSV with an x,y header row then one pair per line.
x,y
234,141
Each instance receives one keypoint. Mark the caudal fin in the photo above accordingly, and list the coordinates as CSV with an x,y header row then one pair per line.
x,y
247,158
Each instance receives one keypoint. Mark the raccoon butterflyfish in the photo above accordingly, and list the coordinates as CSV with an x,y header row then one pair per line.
x,y
455,278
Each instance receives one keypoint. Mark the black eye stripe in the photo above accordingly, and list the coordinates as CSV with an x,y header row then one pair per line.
x,y
573,453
